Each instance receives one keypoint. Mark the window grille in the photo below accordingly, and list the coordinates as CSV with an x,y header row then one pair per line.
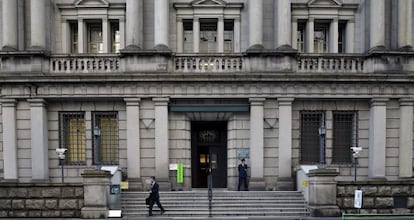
x,y
105,143
311,121
344,135
72,136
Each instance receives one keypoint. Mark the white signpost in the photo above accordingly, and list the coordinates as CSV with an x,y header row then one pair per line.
x,y
358,199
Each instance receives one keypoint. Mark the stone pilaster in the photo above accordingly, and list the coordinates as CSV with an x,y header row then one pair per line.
x,y
256,143
256,23
9,139
285,181
377,137
39,139
95,187
134,24
377,24
406,138
133,143
9,21
161,142
322,193
161,22
284,25
38,24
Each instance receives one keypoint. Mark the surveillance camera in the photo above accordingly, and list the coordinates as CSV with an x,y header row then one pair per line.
x,y
61,152
356,149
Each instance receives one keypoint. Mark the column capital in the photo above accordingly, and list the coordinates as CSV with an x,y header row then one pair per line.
x,y
161,100
379,101
37,102
256,101
406,101
179,19
132,101
8,102
285,101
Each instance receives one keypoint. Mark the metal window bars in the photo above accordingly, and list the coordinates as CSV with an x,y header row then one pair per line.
x,y
72,136
105,138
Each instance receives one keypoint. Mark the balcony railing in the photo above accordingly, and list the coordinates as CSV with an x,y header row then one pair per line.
x,y
205,63
332,63
84,64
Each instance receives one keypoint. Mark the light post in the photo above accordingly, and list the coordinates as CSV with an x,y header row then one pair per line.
x,y
322,133
61,153
96,135
358,192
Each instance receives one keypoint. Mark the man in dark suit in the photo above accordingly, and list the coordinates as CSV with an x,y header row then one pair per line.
x,y
154,196
242,175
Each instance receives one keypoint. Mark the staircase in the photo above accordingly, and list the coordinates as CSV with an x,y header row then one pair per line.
x,y
277,204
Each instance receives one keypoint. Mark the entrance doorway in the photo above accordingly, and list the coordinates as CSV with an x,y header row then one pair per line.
x,y
209,150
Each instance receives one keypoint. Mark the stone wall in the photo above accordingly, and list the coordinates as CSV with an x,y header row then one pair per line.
x,y
40,200
379,196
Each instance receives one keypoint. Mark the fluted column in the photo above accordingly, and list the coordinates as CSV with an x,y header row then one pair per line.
x,y
256,143
134,23
310,36
333,36
9,24
196,34
283,29
255,23
161,141
349,36
377,137
39,139
405,24
38,24
180,35
220,35
161,19
377,24
9,139
406,138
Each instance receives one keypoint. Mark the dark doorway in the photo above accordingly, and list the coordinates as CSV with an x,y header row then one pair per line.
x,y
209,149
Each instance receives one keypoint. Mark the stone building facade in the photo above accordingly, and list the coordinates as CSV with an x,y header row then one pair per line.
x,y
147,84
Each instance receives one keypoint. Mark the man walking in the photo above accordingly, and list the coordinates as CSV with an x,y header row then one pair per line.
x,y
242,175
154,196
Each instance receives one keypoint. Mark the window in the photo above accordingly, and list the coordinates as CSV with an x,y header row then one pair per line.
x,y
228,35
95,38
320,40
105,141
341,37
72,136
188,35
310,140
301,37
115,37
208,35
73,37
344,135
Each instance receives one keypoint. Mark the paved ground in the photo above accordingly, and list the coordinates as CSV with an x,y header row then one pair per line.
x,y
195,218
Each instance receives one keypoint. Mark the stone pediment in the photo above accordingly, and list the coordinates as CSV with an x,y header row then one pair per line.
x,y
91,3
208,3
325,3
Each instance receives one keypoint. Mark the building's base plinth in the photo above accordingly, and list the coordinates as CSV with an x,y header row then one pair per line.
x,y
284,184
135,184
94,212
324,211
257,184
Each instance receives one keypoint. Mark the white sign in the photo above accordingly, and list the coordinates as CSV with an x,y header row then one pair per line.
x,y
358,199
173,166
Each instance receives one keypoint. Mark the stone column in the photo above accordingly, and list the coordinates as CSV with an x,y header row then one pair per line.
x,y
284,25
349,36
256,23
161,19
180,35
377,24
39,139
256,143
406,138
106,35
322,193
196,34
161,142
309,36
95,190
121,33
66,44
133,143
220,35
405,24
9,23
134,24
9,139
236,36
294,33
377,137
81,36
285,144
38,24
333,36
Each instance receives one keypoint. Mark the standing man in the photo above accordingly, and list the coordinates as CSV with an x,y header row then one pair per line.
x,y
242,175
154,196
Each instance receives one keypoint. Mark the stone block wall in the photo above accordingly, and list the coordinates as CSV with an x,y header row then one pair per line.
x,y
379,196
35,200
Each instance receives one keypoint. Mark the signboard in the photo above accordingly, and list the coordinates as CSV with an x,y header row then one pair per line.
x,y
173,166
358,199
180,173
243,153
115,189
124,185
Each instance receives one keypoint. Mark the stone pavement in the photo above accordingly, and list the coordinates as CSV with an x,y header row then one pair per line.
x,y
197,218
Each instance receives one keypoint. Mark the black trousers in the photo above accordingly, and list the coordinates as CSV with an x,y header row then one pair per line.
x,y
243,180
157,201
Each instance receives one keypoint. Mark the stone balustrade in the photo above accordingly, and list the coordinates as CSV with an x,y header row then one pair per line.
x,y
202,63
332,63
84,64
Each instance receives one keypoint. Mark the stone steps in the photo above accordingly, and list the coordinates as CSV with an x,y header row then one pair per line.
x,y
224,203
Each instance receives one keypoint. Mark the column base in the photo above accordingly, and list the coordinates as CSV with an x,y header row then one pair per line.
x,y
407,48
94,212
257,184
135,184
285,184
324,211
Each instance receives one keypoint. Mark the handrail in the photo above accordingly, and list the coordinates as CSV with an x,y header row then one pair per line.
x,y
84,63
330,63
208,63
